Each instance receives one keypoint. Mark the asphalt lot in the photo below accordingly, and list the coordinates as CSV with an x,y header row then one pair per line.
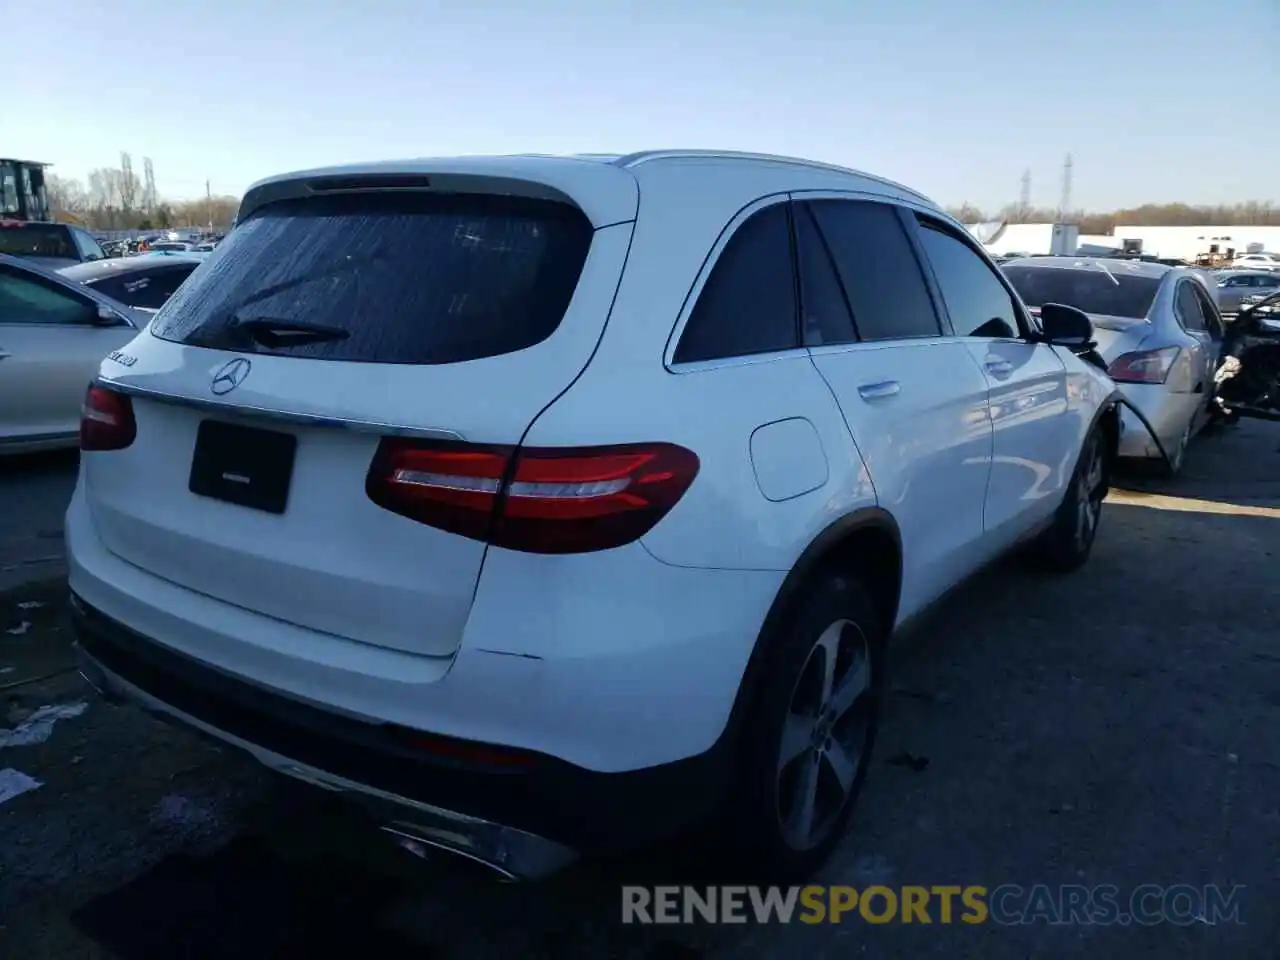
x,y
1117,726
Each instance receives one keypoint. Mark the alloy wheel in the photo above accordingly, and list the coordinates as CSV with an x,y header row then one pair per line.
x,y
825,735
1089,493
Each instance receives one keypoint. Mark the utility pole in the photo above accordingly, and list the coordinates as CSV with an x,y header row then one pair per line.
x,y
1064,205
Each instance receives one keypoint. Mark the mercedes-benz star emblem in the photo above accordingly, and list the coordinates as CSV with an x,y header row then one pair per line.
x,y
230,376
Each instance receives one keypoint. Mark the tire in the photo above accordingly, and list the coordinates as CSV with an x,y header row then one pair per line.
x,y
1067,543
827,752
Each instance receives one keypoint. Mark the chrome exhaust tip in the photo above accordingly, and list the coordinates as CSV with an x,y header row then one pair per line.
x,y
421,848
511,854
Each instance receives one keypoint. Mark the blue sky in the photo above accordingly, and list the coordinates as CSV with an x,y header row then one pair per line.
x,y
953,98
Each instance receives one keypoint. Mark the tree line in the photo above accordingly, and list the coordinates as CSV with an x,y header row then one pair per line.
x,y
1253,213
115,198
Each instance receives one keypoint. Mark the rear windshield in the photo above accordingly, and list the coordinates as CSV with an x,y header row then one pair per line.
x,y
386,278
37,240
1088,289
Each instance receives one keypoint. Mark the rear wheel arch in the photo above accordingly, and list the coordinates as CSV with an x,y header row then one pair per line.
x,y
865,545
1108,421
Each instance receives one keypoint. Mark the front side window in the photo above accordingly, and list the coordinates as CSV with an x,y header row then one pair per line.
x,y
824,310
748,304
979,304
90,249
27,299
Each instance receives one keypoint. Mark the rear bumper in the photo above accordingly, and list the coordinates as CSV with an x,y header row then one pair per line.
x,y
525,820
1168,412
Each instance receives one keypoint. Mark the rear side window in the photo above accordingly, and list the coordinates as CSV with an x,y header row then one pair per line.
x,y
412,278
878,269
979,304
150,290
748,304
1187,306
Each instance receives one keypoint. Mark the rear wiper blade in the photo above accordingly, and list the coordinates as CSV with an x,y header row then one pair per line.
x,y
1103,267
279,332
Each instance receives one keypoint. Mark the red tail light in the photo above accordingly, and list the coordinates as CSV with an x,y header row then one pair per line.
x,y
1143,366
106,420
538,500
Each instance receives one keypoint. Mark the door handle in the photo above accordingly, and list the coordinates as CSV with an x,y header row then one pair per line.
x,y
999,368
878,391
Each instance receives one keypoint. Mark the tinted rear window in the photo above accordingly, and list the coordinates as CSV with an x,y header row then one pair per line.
x,y
141,288
1088,289
38,240
402,277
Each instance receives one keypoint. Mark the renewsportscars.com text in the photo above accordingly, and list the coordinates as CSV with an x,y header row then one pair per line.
x,y
1007,904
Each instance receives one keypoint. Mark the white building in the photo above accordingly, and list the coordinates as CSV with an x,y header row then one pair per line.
x,y
1186,243
1002,239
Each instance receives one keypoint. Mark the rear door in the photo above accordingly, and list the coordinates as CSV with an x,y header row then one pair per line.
x,y
321,325
50,347
1034,449
914,399
1190,309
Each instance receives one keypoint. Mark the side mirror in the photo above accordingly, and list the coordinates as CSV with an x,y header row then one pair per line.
x,y
1066,326
106,317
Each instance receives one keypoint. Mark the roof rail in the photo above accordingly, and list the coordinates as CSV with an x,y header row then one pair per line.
x,y
642,156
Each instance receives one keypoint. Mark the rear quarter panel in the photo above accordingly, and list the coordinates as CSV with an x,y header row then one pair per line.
x,y
628,394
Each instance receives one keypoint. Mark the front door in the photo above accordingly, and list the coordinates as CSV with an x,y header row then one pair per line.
x,y
50,347
1033,449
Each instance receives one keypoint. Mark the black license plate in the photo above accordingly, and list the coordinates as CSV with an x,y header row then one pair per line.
x,y
243,465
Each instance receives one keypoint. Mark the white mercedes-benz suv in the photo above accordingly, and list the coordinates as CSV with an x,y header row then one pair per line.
x,y
554,505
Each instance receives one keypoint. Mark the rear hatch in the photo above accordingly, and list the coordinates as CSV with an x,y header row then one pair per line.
x,y
324,323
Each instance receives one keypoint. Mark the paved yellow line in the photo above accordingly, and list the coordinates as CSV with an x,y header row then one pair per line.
x,y
1158,501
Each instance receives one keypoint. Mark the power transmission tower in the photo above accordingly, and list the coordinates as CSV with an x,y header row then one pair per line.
x,y
208,205
1064,205
128,196
149,199
1024,196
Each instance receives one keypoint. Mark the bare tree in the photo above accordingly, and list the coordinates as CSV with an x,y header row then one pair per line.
x,y
966,213
66,195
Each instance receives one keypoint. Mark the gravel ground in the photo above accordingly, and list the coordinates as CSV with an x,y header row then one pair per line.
x,y
1116,726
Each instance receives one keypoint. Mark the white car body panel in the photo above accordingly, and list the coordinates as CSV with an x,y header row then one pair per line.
x,y
615,660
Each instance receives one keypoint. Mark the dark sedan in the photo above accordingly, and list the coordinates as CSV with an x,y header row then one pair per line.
x,y
142,282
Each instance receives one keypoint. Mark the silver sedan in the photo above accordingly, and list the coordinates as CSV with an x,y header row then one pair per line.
x,y
53,335
1159,330
1237,286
